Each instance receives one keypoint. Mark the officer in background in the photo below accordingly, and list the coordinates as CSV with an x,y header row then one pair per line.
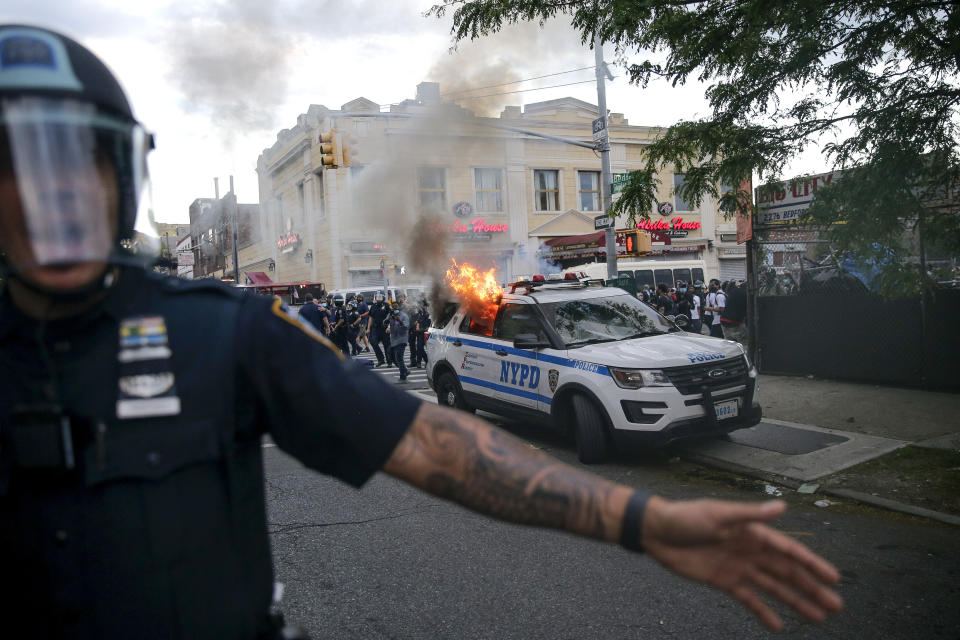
x,y
352,322
131,468
379,312
338,332
324,311
311,312
420,323
398,326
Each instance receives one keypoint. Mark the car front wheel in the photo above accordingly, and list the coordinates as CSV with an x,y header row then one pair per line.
x,y
590,430
449,394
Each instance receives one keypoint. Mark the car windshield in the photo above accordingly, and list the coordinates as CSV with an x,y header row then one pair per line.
x,y
606,319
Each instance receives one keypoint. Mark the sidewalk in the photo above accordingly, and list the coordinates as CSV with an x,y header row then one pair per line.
x,y
893,448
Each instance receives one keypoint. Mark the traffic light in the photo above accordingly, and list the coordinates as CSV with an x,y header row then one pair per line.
x,y
331,155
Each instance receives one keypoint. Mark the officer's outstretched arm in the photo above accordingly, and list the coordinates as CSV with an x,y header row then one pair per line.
x,y
460,457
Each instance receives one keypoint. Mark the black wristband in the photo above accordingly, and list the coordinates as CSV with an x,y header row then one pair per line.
x,y
632,521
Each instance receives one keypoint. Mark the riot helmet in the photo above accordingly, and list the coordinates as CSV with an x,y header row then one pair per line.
x,y
73,169
338,301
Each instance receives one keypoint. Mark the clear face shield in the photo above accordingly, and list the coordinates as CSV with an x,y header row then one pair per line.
x,y
70,177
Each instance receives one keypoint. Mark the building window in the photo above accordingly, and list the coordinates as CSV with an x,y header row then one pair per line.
x,y
319,201
546,189
589,184
301,201
679,204
489,189
431,182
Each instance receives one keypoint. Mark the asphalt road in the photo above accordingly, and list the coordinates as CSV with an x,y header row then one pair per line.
x,y
390,562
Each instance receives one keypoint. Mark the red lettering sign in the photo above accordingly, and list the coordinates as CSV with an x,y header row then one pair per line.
x,y
662,225
477,225
288,242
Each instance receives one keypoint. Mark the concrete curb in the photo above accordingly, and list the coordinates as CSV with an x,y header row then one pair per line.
x,y
857,496
893,505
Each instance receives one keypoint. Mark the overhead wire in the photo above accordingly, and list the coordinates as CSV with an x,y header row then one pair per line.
x,y
455,95
506,93
506,84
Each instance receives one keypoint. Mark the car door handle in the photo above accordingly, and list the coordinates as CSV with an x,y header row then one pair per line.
x,y
457,343
500,352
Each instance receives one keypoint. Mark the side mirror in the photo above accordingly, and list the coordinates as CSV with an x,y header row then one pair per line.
x,y
528,341
681,321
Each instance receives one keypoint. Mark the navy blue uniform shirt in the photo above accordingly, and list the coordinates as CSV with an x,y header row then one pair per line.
x,y
167,387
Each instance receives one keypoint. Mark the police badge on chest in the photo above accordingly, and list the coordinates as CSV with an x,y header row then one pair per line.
x,y
147,387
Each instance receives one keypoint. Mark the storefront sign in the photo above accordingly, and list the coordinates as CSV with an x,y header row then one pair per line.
x,y
665,209
477,225
675,224
288,242
788,201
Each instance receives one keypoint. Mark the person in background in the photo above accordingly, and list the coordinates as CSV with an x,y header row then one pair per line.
x,y
364,310
311,312
716,301
664,300
683,299
421,323
398,326
379,314
353,327
339,330
696,303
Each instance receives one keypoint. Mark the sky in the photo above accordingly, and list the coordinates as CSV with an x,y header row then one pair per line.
x,y
215,81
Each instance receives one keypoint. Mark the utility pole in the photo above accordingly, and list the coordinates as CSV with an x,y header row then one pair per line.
x,y
606,178
236,259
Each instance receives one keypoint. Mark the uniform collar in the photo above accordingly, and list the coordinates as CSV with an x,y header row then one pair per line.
x,y
116,304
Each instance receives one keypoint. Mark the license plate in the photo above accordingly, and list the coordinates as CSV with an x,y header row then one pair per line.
x,y
727,409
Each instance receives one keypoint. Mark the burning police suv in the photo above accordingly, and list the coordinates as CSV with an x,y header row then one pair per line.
x,y
594,361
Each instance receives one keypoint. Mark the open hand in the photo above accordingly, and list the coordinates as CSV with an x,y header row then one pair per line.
x,y
727,545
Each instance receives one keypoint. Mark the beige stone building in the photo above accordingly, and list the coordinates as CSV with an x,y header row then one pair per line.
x,y
430,181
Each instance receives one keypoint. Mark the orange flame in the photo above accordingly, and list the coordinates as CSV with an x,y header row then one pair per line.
x,y
477,290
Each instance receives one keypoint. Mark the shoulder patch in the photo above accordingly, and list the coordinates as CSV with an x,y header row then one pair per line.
x,y
290,316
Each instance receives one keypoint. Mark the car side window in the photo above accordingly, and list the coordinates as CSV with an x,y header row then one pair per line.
x,y
516,319
479,325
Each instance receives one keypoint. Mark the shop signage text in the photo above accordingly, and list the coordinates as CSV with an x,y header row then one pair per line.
x,y
677,224
288,242
477,225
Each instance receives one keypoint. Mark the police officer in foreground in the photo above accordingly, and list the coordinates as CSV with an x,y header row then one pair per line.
x,y
131,471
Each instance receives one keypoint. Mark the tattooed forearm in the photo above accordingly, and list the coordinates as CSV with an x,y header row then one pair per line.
x,y
459,457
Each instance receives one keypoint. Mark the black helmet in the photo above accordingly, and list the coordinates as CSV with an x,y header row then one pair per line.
x,y
65,122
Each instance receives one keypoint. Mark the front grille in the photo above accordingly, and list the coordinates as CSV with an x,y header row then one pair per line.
x,y
693,378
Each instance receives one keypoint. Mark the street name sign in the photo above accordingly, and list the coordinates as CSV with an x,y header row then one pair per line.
x,y
603,222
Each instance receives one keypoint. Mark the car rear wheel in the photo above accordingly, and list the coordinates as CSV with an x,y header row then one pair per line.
x,y
590,430
449,394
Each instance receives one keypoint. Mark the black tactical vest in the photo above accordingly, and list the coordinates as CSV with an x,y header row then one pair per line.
x,y
150,525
